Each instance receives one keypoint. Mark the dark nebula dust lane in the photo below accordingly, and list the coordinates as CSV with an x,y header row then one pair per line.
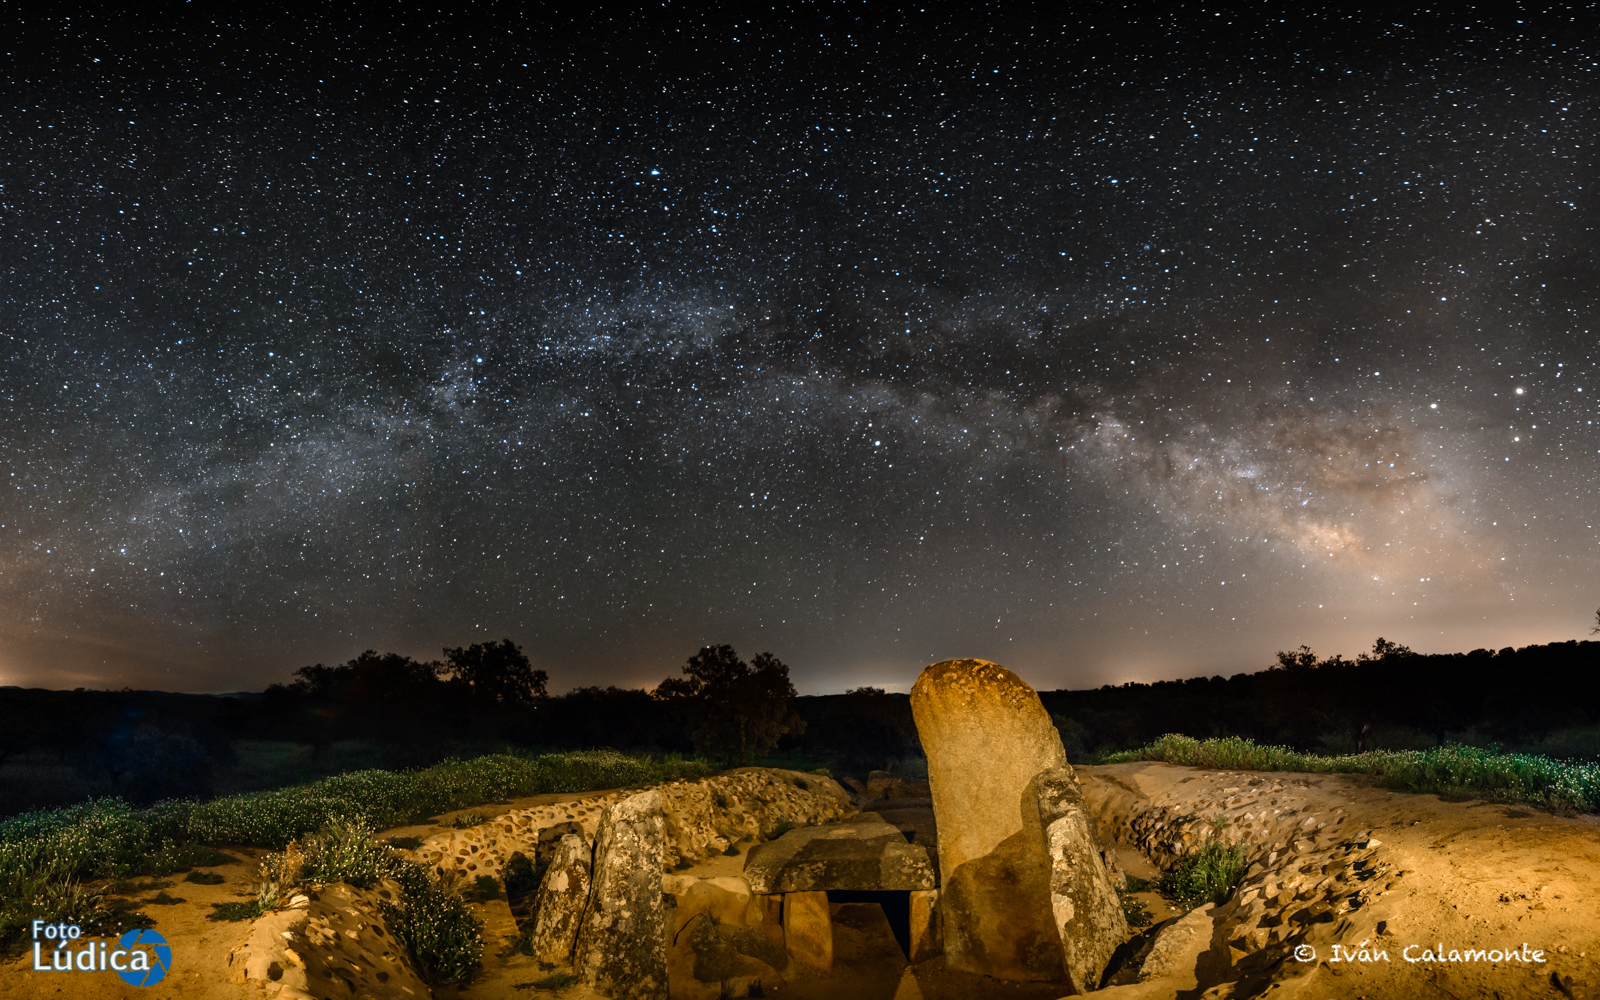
x,y
1107,349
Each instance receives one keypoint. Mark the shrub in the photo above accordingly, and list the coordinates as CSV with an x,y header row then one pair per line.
x,y
344,851
204,878
1208,875
444,938
468,820
1453,771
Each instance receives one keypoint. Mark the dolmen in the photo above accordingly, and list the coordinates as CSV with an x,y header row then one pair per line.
x,y
1025,894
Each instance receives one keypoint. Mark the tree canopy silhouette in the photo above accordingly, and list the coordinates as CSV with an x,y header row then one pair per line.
x,y
733,710
497,672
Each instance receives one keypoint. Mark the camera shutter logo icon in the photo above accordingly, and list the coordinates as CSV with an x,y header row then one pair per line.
x,y
160,957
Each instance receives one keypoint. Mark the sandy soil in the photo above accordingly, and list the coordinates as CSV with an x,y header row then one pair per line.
x,y
1353,864
1363,867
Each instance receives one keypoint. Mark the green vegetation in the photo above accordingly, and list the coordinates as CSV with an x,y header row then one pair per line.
x,y
445,939
1132,907
734,711
484,888
1453,772
1208,875
405,843
204,878
235,911
46,856
468,820
344,851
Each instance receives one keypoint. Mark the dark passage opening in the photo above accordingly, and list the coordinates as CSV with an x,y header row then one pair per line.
x,y
896,906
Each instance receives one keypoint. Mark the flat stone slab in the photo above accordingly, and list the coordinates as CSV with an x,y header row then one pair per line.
x,y
867,854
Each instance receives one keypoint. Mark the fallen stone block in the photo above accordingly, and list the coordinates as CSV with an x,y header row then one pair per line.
x,y
721,945
1178,947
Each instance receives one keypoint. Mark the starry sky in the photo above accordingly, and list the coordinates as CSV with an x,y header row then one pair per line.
x,y
1137,344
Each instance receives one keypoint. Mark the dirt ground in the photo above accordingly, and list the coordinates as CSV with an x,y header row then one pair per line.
x,y
1382,876
1374,872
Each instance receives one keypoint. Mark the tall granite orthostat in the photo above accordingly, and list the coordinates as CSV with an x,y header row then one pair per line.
x,y
1088,915
987,735
563,898
622,941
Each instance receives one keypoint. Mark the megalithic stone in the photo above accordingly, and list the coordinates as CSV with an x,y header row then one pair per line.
x,y
986,735
622,943
926,940
1088,915
563,897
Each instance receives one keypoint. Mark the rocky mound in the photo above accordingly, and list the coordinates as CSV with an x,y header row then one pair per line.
x,y
1355,891
703,818
329,941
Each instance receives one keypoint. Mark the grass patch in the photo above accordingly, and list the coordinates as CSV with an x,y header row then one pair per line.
x,y
466,821
1454,772
405,843
204,878
47,855
1206,876
234,911
163,898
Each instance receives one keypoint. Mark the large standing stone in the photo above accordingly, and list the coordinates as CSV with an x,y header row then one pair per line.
x,y
926,940
621,950
1088,915
986,735
772,918
808,929
563,895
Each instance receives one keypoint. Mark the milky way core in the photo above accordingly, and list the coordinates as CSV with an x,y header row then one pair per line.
x,y
1106,350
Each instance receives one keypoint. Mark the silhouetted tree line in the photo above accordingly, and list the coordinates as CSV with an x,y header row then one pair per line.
x,y
1391,698
147,745
483,692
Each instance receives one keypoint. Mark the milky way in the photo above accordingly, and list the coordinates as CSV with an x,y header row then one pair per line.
x,y
1107,350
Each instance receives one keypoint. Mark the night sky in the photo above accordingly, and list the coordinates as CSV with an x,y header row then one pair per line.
x,y
1131,346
